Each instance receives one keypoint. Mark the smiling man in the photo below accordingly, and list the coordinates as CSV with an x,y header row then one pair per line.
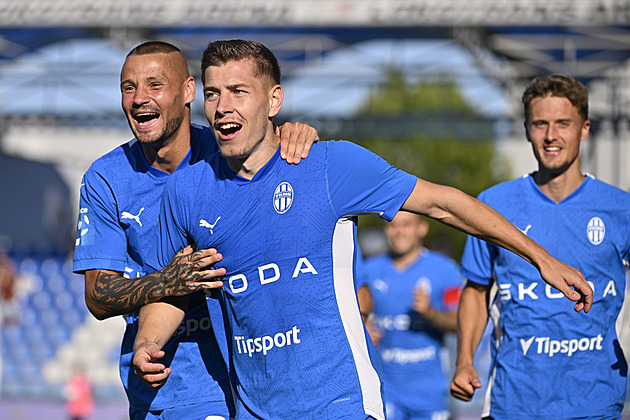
x,y
120,198
549,362
299,349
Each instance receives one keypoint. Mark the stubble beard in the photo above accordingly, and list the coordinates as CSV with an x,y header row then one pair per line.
x,y
160,137
239,154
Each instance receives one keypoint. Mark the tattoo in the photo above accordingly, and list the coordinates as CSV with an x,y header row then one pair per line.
x,y
117,295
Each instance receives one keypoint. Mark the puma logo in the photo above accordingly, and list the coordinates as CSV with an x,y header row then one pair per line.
x,y
204,223
127,215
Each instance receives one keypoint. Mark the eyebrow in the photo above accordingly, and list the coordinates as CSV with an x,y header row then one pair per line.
x,y
229,87
538,120
148,79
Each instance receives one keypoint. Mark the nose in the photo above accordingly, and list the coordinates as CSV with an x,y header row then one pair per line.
x,y
224,104
551,133
140,96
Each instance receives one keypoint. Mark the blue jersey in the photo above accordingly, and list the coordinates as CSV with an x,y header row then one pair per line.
x,y
298,345
414,371
550,361
119,208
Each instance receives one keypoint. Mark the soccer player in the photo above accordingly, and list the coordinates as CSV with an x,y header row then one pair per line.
x,y
549,362
298,347
414,293
120,198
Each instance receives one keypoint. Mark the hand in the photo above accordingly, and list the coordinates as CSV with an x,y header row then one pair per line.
x,y
570,282
421,303
186,272
296,140
375,333
465,382
144,366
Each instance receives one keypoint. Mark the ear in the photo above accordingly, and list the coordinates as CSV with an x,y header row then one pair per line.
x,y
586,129
276,96
189,90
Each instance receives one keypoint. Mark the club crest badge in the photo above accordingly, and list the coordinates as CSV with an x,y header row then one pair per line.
x,y
596,230
283,198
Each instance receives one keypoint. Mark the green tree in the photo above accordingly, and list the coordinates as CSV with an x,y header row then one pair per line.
x,y
433,111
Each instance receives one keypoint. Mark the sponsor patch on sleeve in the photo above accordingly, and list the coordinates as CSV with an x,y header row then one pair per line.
x,y
450,297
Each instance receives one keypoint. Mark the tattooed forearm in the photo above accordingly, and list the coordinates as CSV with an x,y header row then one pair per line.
x,y
111,294
114,295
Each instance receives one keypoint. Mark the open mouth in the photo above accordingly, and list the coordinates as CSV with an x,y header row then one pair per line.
x,y
552,149
229,129
146,118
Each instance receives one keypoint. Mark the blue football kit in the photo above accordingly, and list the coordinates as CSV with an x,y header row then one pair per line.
x,y
412,350
548,361
298,346
119,208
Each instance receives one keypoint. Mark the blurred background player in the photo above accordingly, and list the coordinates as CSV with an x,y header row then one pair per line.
x,y
8,275
78,395
550,362
8,304
414,293
119,202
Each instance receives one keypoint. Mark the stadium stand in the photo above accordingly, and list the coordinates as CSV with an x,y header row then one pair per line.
x,y
53,330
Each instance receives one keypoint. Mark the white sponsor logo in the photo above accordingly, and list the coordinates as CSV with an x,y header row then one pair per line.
x,y
204,223
405,356
550,347
381,285
596,230
265,343
526,229
269,273
83,225
127,215
131,273
400,322
283,198
533,291
440,415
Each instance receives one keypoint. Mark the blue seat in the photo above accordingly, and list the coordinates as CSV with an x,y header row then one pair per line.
x,y
41,300
56,335
72,318
55,283
50,266
53,308
29,316
64,301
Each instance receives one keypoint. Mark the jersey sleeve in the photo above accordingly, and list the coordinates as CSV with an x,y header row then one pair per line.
x,y
101,241
363,182
451,287
170,235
